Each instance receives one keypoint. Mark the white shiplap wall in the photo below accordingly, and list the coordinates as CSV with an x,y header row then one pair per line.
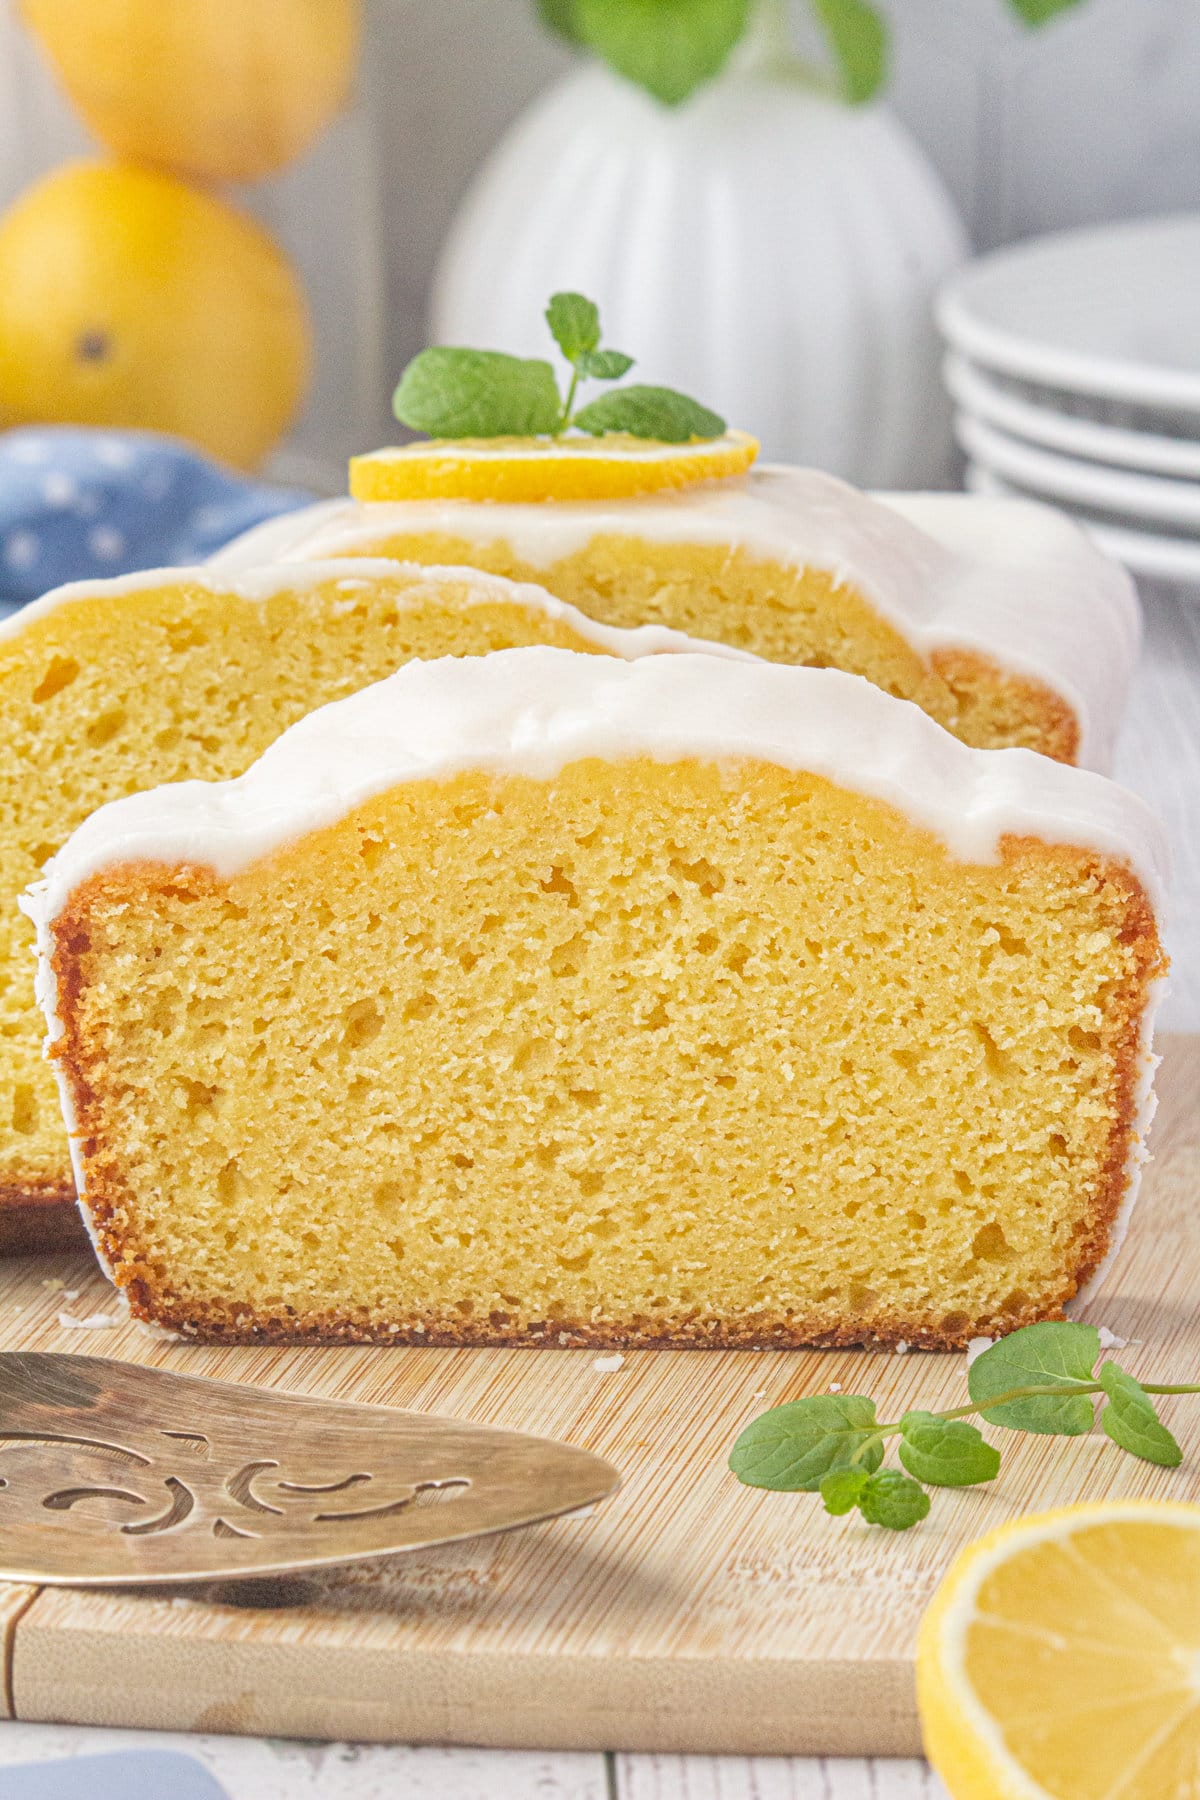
x,y
1010,117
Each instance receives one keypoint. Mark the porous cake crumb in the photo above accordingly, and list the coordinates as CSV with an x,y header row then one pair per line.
x,y
487,1043
113,686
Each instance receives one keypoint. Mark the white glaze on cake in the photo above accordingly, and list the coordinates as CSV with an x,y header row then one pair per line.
x,y
354,574
1013,580
534,711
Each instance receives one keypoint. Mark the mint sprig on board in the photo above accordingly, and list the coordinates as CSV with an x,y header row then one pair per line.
x,y
672,47
1041,1379
459,393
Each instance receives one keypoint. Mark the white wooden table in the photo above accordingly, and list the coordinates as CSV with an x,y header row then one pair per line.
x,y
258,1769
1160,757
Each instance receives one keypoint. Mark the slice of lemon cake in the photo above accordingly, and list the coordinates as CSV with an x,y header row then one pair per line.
x,y
113,686
998,617
687,1001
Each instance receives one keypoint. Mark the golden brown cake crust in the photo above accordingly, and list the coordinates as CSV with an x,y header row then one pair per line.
x,y
36,1192
232,1323
37,1216
211,1325
1000,707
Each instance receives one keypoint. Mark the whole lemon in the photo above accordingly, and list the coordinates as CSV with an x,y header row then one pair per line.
x,y
127,298
227,90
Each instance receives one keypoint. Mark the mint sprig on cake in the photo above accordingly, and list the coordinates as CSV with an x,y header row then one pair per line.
x,y
451,392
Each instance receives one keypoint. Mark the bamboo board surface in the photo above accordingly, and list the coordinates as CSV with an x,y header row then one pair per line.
x,y
686,1614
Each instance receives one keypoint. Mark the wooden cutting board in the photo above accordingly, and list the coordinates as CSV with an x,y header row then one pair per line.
x,y
688,1613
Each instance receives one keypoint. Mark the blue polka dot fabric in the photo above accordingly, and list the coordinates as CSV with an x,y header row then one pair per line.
x,y
76,504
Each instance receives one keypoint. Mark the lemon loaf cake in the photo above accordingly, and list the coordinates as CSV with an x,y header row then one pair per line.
x,y
998,617
110,687
688,1001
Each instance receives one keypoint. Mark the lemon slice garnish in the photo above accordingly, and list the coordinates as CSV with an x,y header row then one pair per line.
x,y
1060,1659
568,468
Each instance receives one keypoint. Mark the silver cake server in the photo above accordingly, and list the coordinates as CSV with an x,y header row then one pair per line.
x,y
112,1474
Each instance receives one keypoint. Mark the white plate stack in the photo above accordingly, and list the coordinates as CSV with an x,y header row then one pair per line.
x,y
1074,364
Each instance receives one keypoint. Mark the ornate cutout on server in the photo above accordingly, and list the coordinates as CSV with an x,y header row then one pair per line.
x,y
110,1474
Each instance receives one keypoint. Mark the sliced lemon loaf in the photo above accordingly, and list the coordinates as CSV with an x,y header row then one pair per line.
x,y
998,617
689,1001
109,687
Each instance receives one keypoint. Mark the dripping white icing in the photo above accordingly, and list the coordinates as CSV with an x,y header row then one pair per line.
x,y
1014,580
532,711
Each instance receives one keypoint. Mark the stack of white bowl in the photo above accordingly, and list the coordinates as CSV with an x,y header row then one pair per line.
x,y
1074,363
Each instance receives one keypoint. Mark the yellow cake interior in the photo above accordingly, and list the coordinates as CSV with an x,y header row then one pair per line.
x,y
787,615
648,1052
104,696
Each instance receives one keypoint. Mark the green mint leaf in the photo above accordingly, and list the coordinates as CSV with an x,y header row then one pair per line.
x,y
668,47
559,16
575,324
859,40
893,1500
791,1447
604,365
1131,1421
477,393
841,1488
1040,12
946,1452
1061,1355
650,412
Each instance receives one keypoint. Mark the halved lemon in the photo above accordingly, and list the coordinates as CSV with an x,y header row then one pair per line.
x,y
1060,1659
568,468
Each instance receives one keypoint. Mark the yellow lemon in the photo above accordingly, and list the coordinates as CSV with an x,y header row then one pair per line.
x,y
567,468
1060,1659
127,298
226,90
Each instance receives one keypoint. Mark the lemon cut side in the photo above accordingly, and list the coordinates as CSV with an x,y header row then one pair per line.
x,y
532,469
1060,1659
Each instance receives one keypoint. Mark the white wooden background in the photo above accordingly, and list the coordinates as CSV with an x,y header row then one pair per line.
x,y
1009,117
